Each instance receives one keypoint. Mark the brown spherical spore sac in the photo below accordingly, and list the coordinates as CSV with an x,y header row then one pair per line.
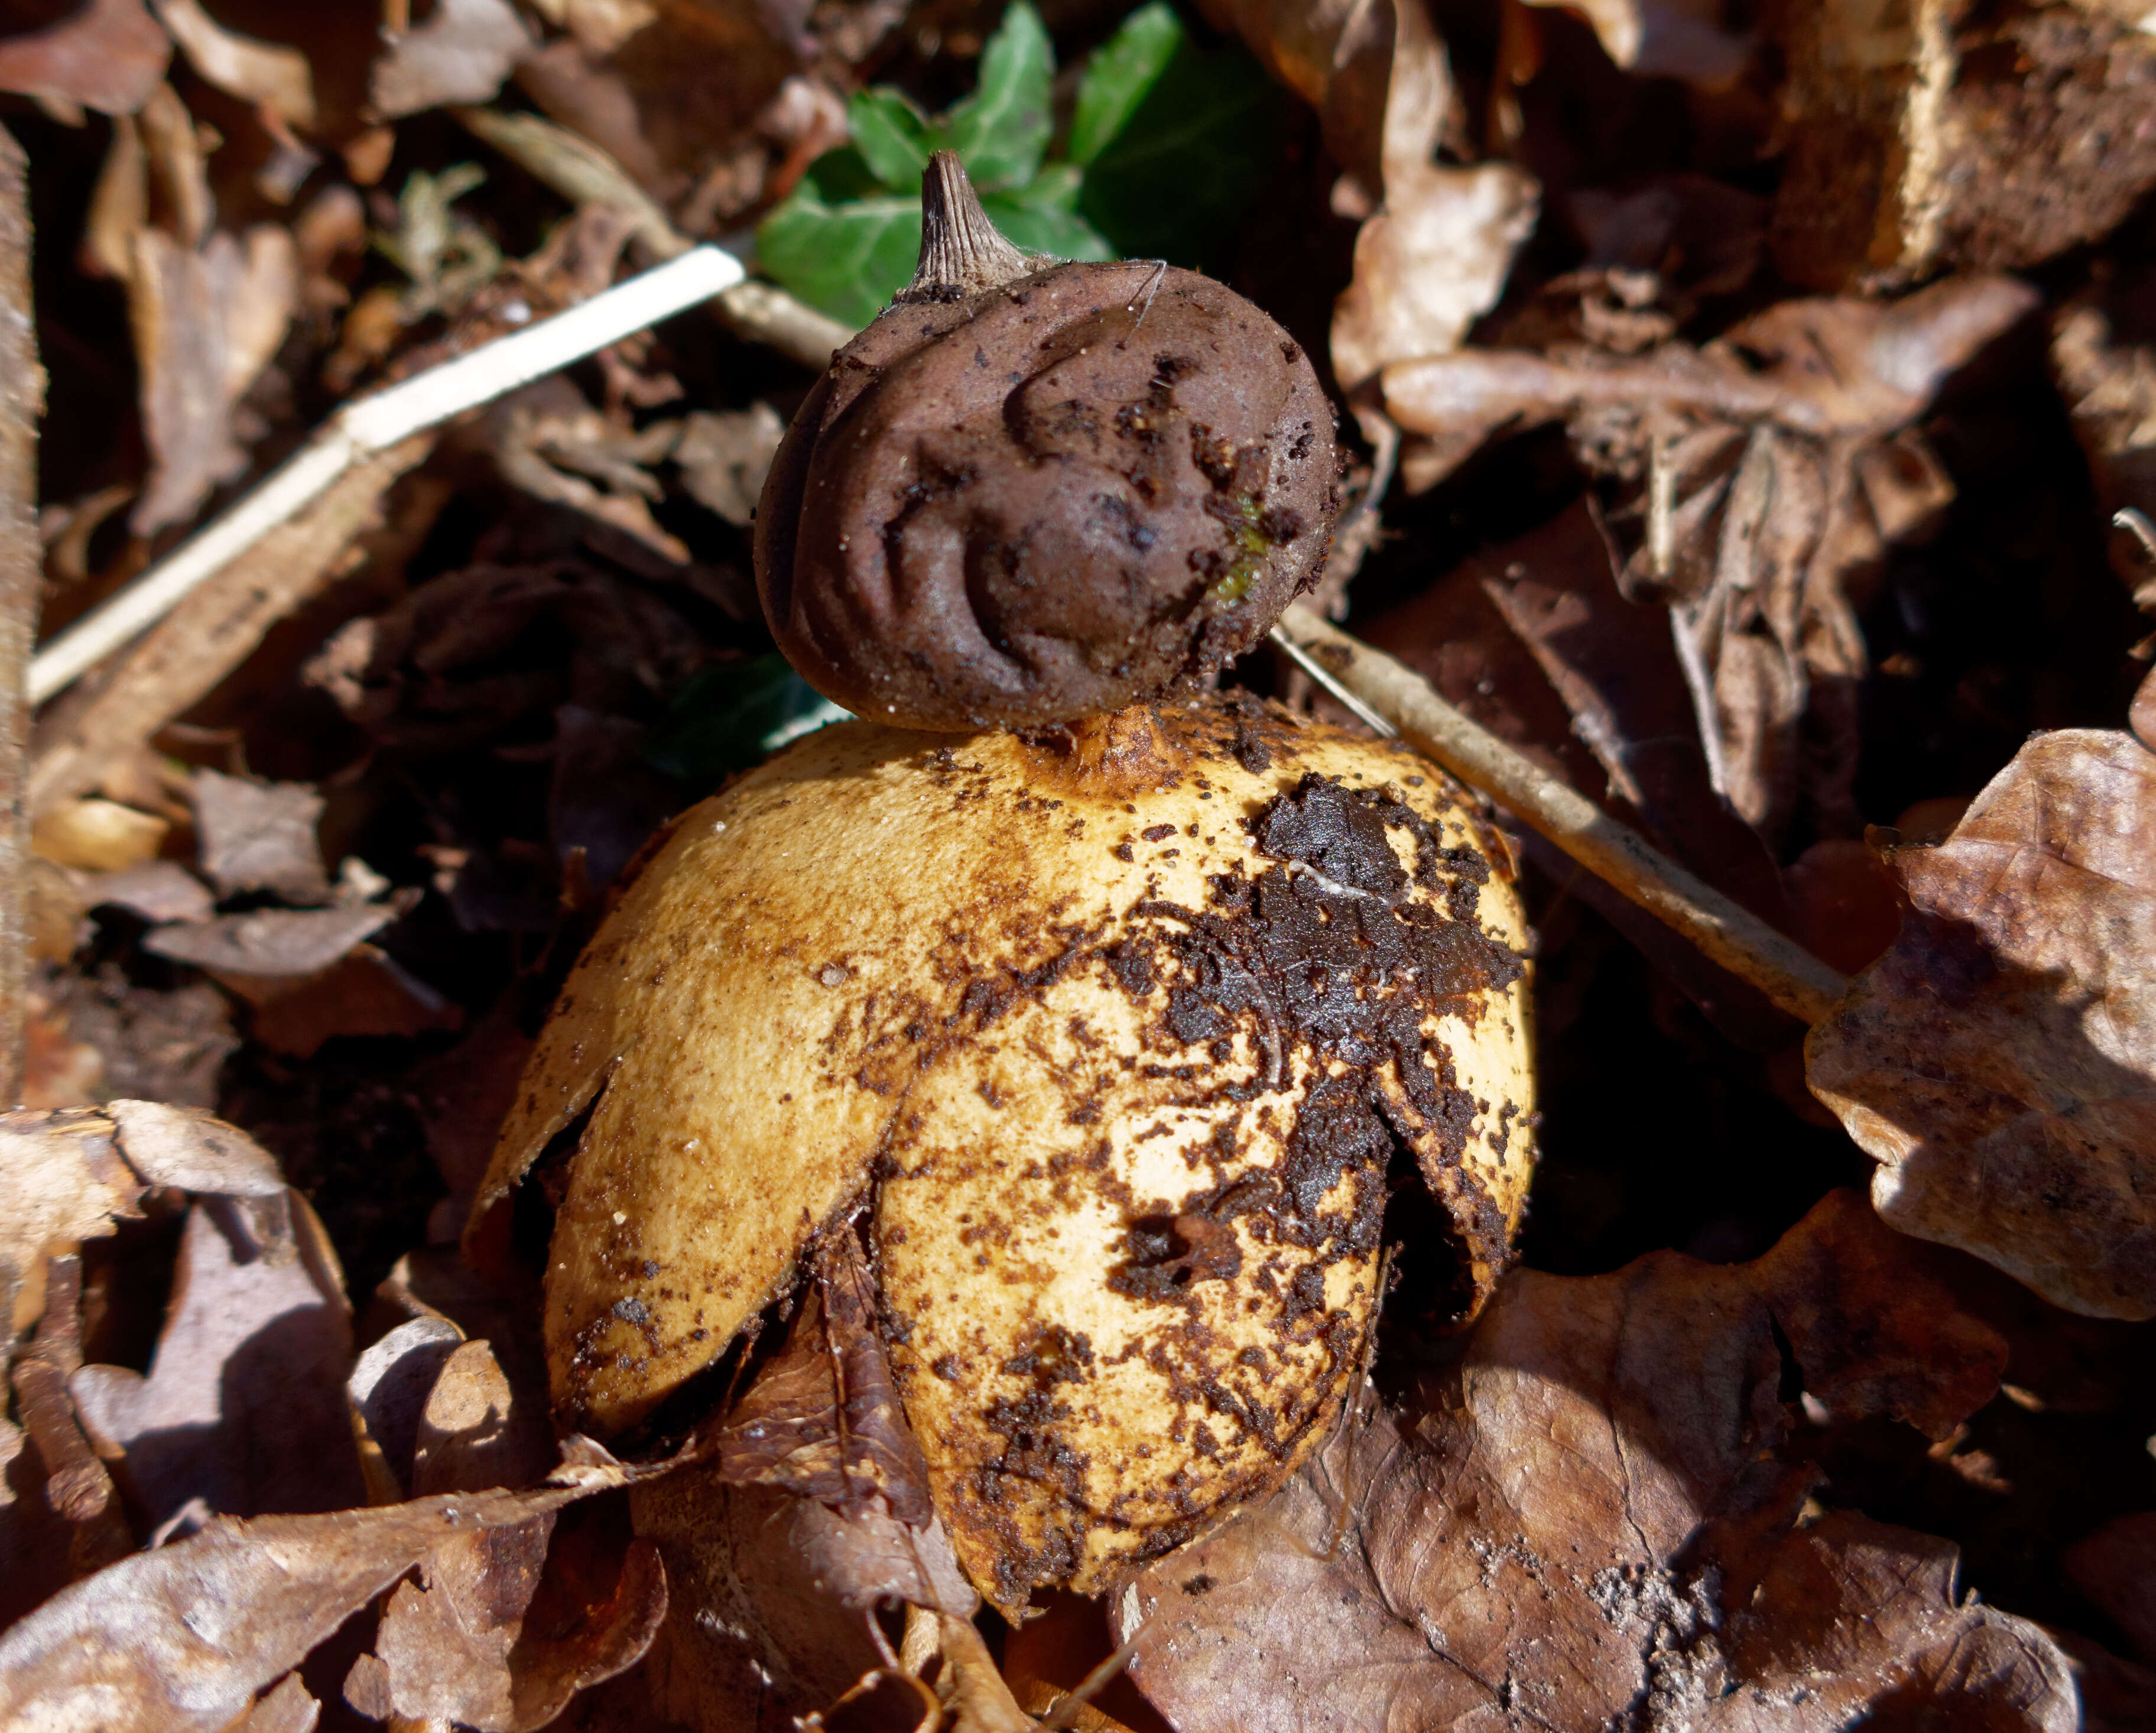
x,y
1055,495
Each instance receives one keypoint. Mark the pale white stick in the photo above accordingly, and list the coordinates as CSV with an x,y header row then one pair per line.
x,y
372,424
1396,700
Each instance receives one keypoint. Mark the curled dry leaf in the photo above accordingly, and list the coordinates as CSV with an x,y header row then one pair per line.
x,y
275,77
259,836
167,1046
205,323
1777,464
547,441
2000,1062
388,1389
107,54
1572,1521
180,1640
823,1420
668,89
271,942
504,1627
157,890
364,991
724,457
1435,255
475,1432
73,1173
1822,368
461,52
812,1508
242,1406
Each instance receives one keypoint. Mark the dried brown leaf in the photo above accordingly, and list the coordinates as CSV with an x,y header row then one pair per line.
x,y
486,1644
1854,1623
770,1591
72,1173
1776,463
179,1640
2000,1062
259,836
473,1434
271,943
1435,255
166,1045
276,77
388,1389
669,96
725,456
205,323
1823,367
795,1430
97,836
812,1507
1523,1544
364,992
243,1406
461,52
108,55
66,1182
194,1150
158,891
286,1707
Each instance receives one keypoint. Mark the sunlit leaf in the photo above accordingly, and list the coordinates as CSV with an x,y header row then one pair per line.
x,y
1119,76
1001,131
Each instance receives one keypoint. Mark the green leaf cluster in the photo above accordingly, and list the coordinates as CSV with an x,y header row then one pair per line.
x,y
1167,146
728,718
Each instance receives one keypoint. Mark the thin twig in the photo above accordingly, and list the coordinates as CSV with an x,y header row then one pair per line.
x,y
585,175
1372,683
22,401
372,425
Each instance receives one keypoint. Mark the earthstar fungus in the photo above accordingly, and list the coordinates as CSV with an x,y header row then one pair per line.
x,y
1108,1041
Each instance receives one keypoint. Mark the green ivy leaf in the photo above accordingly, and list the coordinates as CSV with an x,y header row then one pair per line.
x,y
1191,153
1167,146
728,718
1120,74
1043,228
892,134
1001,131
846,259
